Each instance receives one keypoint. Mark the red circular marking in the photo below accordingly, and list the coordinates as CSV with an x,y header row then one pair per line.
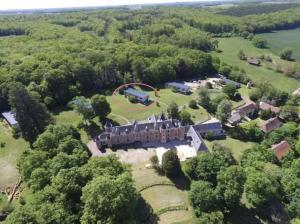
x,y
137,84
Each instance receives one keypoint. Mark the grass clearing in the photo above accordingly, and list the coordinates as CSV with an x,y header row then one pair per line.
x,y
278,40
236,147
123,110
162,196
9,155
230,48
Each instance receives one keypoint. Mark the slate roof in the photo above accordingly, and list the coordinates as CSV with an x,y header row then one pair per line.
x,y
228,81
197,140
179,85
10,118
270,125
208,127
136,93
281,149
266,106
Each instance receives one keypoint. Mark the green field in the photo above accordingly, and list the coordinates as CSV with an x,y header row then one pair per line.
x,y
123,111
230,48
278,40
9,155
163,196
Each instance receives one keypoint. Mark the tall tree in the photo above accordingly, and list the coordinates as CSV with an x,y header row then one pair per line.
x,y
224,110
172,110
101,106
109,200
171,164
31,115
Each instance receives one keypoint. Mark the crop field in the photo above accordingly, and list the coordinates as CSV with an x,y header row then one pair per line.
x,y
281,39
229,54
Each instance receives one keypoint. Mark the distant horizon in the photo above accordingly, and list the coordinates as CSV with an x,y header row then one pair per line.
x,y
8,5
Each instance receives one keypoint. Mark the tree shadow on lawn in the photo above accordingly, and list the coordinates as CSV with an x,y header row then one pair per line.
x,y
241,215
144,213
181,182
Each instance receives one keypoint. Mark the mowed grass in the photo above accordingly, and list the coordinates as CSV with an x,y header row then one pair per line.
x,y
162,196
9,155
124,111
236,147
282,39
230,48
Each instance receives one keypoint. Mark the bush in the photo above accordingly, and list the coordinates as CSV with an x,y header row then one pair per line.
x,y
266,114
259,42
154,162
50,102
2,144
174,90
208,85
209,136
286,54
193,104
132,99
171,164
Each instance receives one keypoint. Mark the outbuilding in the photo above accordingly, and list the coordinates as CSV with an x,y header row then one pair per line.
x,y
10,118
138,95
179,87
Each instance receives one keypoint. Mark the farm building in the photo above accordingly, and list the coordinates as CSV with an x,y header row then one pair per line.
x,y
179,87
281,149
10,118
228,81
271,125
140,96
247,110
266,106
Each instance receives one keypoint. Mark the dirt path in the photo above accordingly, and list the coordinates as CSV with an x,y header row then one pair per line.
x,y
123,118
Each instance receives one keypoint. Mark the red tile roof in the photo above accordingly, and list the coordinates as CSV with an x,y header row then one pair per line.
x,y
281,149
266,106
271,125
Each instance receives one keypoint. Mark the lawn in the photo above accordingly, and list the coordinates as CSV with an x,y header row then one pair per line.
x,y
9,155
164,195
281,39
123,111
236,147
230,48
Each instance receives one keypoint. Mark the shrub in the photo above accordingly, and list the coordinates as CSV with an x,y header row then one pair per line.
x,y
132,99
171,164
154,162
286,54
208,85
2,144
193,104
266,114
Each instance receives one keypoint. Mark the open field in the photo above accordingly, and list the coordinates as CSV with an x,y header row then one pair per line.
x,y
164,194
281,39
236,147
124,111
230,48
9,155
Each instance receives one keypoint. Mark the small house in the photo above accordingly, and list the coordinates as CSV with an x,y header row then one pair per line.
x,y
140,96
281,149
10,119
247,110
271,125
179,87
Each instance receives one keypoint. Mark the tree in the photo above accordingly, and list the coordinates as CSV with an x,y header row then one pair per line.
x,y
109,200
286,54
230,90
242,55
289,113
172,110
259,188
21,216
266,114
193,104
202,197
203,98
100,106
32,116
206,166
154,162
84,107
224,110
231,185
215,217
259,42
171,164
185,117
